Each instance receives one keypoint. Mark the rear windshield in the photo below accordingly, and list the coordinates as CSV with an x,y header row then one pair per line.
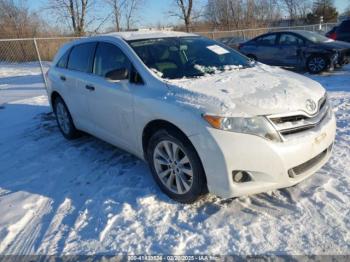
x,y
188,57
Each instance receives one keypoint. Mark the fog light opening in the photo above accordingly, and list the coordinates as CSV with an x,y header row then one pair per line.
x,y
241,176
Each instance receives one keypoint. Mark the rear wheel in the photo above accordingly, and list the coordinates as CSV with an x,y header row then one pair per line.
x,y
64,119
316,64
176,166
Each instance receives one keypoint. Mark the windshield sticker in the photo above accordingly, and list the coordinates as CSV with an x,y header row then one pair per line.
x,y
218,49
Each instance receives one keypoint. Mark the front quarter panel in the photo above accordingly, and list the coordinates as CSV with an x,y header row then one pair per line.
x,y
152,103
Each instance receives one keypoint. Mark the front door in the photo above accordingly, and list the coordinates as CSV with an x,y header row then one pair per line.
x,y
111,102
289,50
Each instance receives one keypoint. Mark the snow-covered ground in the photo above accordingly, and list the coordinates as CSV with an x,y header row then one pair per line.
x,y
19,81
85,196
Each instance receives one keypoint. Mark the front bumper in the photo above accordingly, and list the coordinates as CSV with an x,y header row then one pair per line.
x,y
271,165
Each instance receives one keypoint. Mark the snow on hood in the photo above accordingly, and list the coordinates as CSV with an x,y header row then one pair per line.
x,y
260,90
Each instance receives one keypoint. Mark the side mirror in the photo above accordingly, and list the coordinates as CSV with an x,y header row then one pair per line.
x,y
117,74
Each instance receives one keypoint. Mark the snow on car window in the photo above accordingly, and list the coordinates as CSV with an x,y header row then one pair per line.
x,y
188,57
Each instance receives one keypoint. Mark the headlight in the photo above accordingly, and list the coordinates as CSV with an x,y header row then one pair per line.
x,y
258,126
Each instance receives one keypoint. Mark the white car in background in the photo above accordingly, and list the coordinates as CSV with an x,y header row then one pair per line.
x,y
203,116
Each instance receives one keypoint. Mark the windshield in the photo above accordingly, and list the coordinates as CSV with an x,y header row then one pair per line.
x,y
175,58
314,37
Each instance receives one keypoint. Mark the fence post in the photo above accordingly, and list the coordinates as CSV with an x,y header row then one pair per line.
x,y
40,63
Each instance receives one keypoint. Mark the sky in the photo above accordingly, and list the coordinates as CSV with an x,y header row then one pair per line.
x,y
157,11
152,13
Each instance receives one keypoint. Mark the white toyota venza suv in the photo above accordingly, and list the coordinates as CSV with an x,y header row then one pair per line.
x,y
203,116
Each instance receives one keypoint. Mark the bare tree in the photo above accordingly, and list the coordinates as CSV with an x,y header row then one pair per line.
x,y
117,9
124,12
239,14
347,12
130,8
185,12
17,21
296,9
74,12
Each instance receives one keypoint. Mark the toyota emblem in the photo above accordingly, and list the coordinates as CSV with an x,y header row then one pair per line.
x,y
310,105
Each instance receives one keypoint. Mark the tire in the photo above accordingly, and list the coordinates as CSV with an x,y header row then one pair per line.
x,y
316,64
64,119
252,57
184,172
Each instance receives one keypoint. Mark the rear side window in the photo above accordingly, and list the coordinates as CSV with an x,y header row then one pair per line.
x,y
267,40
109,58
62,63
344,27
81,57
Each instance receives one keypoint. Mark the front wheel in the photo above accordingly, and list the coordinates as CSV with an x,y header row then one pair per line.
x,y
176,166
316,64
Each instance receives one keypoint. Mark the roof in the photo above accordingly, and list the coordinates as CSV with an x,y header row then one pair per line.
x,y
148,34
288,31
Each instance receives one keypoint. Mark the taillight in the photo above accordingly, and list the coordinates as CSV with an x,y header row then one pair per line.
x,y
333,35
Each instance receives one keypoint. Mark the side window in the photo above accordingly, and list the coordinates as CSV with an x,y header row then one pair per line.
x,y
62,63
289,39
267,40
109,58
81,57
344,27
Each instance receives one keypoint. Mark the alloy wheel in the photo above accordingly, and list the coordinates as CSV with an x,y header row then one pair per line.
x,y
63,117
317,64
173,167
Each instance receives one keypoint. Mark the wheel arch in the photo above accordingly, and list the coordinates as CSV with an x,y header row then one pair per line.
x,y
252,56
54,95
155,125
326,56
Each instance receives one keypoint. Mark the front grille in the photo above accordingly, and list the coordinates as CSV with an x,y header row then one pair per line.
x,y
292,124
301,169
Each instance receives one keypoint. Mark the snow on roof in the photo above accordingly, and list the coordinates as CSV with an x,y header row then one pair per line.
x,y
148,34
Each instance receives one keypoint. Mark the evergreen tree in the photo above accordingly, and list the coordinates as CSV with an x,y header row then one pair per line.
x,y
324,8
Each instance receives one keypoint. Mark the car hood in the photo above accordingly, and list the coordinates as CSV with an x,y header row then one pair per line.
x,y
260,90
332,44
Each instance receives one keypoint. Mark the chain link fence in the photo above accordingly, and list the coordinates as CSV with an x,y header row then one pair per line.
x,y
247,34
32,57
23,64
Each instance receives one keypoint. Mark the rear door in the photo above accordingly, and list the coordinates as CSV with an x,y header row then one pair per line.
x,y
289,50
111,102
79,68
266,49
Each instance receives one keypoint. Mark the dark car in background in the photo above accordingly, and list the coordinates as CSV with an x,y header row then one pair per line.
x,y
232,41
299,49
340,32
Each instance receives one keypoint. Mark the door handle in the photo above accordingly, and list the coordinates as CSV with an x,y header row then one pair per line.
x,y
63,78
89,87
